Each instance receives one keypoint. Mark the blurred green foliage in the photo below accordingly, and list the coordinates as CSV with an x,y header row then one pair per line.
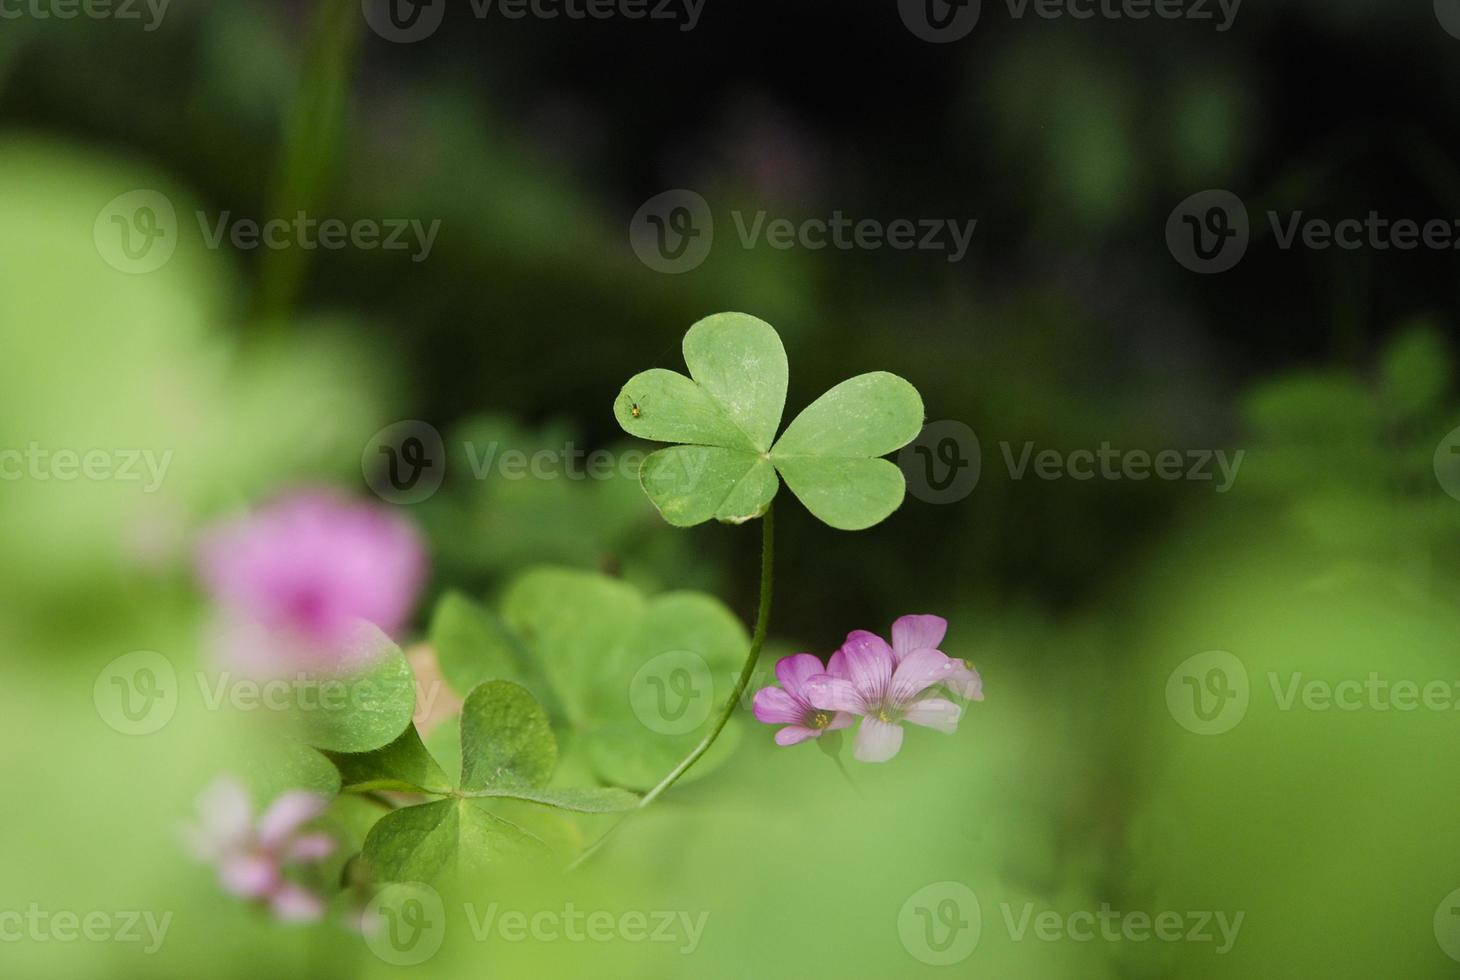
x,y
1072,786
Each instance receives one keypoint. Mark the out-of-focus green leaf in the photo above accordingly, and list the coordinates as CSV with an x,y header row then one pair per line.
x,y
472,646
361,710
440,839
402,766
567,619
1416,372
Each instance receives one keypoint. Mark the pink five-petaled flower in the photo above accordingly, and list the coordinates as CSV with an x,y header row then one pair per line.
x,y
250,857
294,579
787,704
886,685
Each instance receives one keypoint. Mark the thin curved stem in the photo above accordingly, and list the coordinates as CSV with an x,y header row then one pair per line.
x,y
757,640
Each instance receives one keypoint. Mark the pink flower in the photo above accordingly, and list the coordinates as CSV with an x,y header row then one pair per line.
x,y
294,578
787,704
251,857
886,685
910,633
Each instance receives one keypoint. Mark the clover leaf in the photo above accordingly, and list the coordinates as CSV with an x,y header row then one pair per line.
x,y
508,752
725,415
634,678
360,708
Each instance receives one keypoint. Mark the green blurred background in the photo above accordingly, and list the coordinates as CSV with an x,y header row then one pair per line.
x,y
1077,784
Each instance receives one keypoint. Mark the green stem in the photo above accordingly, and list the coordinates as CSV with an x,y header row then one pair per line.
x,y
762,622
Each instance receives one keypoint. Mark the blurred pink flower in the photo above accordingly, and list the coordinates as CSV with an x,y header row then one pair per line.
x,y
886,684
787,705
294,578
251,857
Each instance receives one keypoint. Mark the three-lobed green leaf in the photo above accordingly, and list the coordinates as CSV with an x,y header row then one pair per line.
x,y
508,751
725,416
605,655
